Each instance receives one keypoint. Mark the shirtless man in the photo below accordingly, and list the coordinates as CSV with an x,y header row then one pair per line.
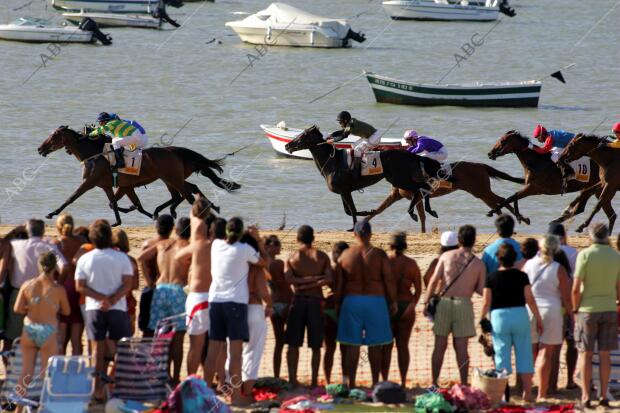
x,y
406,274
198,255
281,296
169,297
363,280
163,226
307,270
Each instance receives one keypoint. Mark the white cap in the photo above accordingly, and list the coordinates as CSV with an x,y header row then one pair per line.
x,y
449,239
410,134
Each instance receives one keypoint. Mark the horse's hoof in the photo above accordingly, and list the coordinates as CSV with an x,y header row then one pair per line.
x,y
173,214
490,214
414,217
350,230
433,214
116,224
580,229
525,220
216,208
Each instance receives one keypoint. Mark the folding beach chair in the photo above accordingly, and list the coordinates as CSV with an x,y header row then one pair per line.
x,y
14,369
142,365
614,377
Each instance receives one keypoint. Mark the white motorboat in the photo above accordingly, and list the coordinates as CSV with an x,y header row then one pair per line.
x,y
442,10
115,19
113,6
284,25
279,135
27,29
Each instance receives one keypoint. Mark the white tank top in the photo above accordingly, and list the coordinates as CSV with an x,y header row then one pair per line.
x,y
544,281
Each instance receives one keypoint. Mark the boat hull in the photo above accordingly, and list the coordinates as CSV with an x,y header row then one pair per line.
x,y
278,138
109,6
424,10
115,20
386,90
287,37
41,35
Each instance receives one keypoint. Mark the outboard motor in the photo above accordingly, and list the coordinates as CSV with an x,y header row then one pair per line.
x,y
505,8
357,36
160,13
89,25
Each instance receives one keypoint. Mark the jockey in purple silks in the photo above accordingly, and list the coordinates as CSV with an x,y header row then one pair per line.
x,y
425,146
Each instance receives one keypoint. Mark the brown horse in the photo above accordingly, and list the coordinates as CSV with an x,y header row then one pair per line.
x,y
173,165
543,176
608,160
471,177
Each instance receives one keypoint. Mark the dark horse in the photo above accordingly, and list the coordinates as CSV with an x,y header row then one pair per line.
x,y
173,165
608,160
401,168
543,176
471,177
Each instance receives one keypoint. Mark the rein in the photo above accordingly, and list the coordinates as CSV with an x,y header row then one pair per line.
x,y
330,156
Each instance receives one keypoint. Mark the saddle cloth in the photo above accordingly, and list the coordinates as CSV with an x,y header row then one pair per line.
x,y
581,166
133,159
371,162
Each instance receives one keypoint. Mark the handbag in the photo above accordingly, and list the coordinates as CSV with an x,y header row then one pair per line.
x,y
433,302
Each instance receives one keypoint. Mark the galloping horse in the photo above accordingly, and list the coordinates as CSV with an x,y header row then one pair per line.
x,y
543,176
471,177
173,165
401,168
608,160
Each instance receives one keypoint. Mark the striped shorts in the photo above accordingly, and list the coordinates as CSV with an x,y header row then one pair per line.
x,y
454,315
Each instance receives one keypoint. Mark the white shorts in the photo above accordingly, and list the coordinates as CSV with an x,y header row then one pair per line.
x,y
553,326
197,310
440,156
137,139
363,145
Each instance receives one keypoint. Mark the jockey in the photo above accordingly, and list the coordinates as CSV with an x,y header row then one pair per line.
x,y
424,146
616,130
554,141
124,133
370,137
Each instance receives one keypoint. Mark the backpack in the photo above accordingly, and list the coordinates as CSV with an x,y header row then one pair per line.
x,y
388,392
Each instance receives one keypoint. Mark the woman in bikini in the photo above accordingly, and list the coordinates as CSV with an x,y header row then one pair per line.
x,y
40,300
72,326
281,296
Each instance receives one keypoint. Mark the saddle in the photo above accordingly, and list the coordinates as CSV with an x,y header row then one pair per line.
x,y
133,159
370,165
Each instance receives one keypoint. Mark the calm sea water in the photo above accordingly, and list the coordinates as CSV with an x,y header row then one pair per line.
x,y
166,78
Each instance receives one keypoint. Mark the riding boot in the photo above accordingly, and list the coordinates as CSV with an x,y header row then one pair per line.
x,y
355,163
120,161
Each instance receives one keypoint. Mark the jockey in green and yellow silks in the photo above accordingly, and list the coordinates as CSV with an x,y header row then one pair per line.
x,y
124,134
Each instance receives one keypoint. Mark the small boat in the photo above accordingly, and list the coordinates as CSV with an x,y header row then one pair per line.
x,y
27,29
441,10
113,6
507,94
115,19
279,135
284,25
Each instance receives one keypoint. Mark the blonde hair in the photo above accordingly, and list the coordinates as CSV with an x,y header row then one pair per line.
x,y
64,224
47,261
120,240
549,246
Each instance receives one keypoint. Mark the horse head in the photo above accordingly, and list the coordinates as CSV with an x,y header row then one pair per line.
x,y
511,142
57,140
580,145
309,138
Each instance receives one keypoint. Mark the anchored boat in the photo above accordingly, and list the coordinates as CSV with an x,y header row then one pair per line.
x,y
284,25
279,135
508,94
27,29
442,10
113,6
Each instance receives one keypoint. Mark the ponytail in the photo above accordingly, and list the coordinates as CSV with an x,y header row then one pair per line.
x,y
64,224
234,230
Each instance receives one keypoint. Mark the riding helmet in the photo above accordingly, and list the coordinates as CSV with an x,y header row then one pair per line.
x,y
104,117
540,131
616,128
344,116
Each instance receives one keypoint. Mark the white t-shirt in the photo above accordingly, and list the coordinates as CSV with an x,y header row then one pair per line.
x,y
230,265
103,271
571,254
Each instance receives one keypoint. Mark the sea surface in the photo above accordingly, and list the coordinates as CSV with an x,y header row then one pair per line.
x,y
185,84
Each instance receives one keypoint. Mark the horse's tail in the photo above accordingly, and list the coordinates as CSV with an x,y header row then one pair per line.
x,y
497,174
208,167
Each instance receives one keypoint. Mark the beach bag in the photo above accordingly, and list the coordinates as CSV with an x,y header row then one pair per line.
x,y
388,392
193,395
433,302
146,298
493,387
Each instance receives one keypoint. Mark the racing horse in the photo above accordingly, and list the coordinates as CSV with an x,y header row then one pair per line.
x,y
543,176
608,160
332,165
471,177
173,165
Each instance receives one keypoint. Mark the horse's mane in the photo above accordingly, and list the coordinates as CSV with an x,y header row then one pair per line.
x,y
516,133
591,137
